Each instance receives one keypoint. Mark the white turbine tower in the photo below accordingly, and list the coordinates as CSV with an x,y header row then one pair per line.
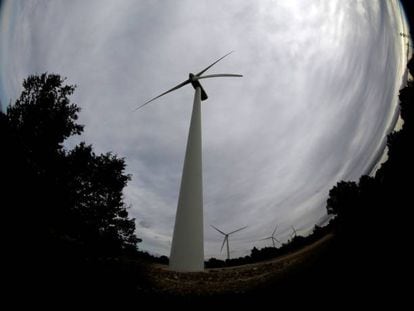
x,y
272,237
226,239
187,248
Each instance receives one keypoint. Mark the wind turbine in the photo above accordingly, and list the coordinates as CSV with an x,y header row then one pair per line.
x,y
187,248
293,234
226,239
272,237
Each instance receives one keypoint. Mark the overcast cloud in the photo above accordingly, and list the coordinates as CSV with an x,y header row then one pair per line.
x,y
319,94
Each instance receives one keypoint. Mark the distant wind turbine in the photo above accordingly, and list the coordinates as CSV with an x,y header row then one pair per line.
x,y
293,234
187,248
272,237
226,239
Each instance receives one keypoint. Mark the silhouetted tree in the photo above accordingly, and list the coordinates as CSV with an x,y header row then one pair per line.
x,y
214,263
341,197
43,117
371,222
59,201
93,187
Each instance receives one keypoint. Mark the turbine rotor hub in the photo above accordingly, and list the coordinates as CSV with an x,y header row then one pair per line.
x,y
193,77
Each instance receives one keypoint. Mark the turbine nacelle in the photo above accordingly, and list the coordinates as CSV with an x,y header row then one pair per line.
x,y
192,77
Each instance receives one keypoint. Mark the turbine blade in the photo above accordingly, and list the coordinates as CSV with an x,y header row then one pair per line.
x,y
237,230
274,231
224,242
218,230
265,239
208,67
220,75
170,90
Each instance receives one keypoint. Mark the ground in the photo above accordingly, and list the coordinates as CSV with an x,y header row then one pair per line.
x,y
236,280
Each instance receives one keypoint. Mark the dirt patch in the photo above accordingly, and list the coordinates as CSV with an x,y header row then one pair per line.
x,y
234,280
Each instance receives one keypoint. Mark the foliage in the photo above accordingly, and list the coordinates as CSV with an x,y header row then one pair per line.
x,y
370,216
60,202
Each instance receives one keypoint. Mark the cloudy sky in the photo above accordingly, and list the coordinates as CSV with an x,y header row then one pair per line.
x,y
319,94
